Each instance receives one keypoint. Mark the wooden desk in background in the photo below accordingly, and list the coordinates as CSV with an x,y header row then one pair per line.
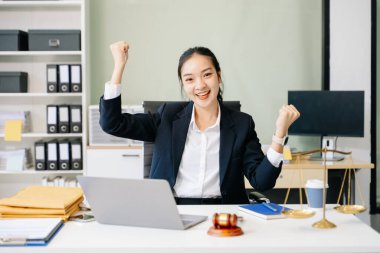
x,y
314,169
311,170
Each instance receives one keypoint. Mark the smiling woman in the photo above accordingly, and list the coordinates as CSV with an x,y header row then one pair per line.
x,y
265,48
203,149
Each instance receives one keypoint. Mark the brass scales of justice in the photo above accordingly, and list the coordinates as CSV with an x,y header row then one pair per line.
x,y
346,209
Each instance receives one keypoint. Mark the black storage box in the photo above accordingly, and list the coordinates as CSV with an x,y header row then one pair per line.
x,y
13,40
54,40
13,82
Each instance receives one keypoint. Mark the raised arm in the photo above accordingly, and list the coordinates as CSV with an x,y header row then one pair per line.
x,y
120,57
287,115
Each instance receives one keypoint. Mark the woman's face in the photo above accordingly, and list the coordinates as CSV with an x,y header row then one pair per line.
x,y
200,81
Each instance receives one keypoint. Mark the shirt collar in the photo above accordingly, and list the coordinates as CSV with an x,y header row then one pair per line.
x,y
193,125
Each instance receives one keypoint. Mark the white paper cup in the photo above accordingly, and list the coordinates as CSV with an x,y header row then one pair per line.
x,y
314,188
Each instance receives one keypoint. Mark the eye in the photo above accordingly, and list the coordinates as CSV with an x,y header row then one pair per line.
x,y
187,80
208,74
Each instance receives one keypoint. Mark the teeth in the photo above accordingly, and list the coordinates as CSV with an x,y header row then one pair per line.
x,y
203,93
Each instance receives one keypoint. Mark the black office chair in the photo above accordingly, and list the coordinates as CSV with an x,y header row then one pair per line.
x,y
152,106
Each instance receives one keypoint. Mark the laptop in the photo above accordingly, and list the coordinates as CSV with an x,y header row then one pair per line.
x,y
135,202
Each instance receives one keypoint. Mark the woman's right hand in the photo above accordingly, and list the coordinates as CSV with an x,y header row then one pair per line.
x,y
119,52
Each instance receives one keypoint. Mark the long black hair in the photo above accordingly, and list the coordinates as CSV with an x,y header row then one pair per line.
x,y
201,51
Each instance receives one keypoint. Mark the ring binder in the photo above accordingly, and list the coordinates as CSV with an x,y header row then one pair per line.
x,y
76,155
51,77
76,78
76,118
52,155
52,118
64,119
64,155
64,78
40,155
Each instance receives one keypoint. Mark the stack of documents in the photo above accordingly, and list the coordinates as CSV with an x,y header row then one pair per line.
x,y
42,202
28,232
15,160
18,115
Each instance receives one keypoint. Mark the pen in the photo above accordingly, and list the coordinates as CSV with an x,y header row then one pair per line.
x,y
269,207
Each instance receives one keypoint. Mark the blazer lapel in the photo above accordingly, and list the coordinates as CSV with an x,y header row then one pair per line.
x,y
227,139
179,134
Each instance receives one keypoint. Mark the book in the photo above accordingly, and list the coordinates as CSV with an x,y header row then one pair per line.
x,y
28,232
266,211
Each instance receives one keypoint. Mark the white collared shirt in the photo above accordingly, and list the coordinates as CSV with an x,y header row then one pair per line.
x,y
198,174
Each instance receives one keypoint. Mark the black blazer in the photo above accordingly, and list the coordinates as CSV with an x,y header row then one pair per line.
x,y
239,154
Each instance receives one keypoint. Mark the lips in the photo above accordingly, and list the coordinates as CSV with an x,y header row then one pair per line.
x,y
203,95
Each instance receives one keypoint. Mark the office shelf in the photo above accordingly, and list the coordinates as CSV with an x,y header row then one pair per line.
x,y
30,15
39,53
33,95
46,135
41,172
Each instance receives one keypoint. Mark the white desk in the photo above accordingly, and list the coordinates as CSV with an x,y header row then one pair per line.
x,y
285,235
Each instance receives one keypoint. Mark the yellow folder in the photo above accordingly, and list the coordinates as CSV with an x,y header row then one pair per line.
x,y
42,201
44,197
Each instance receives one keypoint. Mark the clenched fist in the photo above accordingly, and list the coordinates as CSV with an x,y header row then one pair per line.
x,y
119,52
287,115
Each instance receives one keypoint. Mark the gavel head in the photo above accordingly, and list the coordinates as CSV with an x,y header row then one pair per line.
x,y
224,220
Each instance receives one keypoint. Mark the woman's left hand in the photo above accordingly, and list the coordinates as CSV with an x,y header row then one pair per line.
x,y
287,115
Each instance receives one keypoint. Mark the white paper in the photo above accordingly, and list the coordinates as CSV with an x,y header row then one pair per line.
x,y
75,151
52,151
52,115
75,115
15,161
36,228
52,74
75,74
40,152
63,114
64,151
64,73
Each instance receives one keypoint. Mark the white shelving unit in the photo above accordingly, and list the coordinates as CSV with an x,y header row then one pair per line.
x,y
25,15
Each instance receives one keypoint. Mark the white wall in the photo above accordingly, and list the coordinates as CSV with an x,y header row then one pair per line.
x,y
350,69
265,48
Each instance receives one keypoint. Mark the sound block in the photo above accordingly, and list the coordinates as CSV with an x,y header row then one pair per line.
x,y
224,232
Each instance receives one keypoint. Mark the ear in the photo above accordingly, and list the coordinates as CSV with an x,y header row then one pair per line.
x,y
220,77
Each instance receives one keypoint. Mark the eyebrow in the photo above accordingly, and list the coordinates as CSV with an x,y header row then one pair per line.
x,y
201,72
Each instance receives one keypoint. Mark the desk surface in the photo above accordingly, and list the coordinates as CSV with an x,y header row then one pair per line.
x,y
346,163
282,235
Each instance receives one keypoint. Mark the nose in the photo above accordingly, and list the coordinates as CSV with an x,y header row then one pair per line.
x,y
200,83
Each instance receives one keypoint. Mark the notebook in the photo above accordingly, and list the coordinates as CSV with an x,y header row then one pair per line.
x,y
266,211
28,232
135,202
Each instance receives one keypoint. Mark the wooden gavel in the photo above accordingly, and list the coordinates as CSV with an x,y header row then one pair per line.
x,y
225,220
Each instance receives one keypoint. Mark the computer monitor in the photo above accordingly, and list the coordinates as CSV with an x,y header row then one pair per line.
x,y
328,113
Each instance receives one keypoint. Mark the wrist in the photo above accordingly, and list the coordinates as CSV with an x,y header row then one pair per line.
x,y
280,133
280,140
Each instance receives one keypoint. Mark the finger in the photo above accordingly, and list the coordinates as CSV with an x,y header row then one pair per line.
x,y
125,46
